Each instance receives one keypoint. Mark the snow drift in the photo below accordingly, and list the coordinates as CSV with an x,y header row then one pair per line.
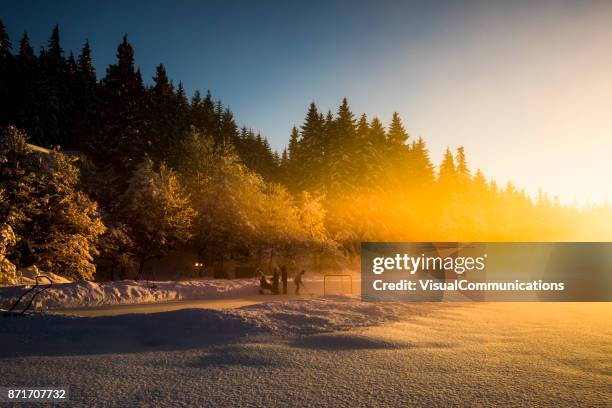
x,y
87,294
40,334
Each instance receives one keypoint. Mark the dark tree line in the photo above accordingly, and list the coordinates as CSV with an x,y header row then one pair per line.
x,y
117,120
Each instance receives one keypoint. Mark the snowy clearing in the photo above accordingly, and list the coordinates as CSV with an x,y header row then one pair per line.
x,y
322,352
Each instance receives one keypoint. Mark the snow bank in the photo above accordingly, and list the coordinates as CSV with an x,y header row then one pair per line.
x,y
27,276
87,294
40,334
323,314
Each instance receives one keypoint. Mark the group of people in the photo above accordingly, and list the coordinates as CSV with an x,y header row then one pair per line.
x,y
279,277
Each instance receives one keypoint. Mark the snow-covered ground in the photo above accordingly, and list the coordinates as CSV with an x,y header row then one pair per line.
x,y
88,294
193,327
332,351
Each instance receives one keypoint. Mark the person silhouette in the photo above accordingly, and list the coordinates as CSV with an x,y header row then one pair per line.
x,y
297,279
284,278
275,282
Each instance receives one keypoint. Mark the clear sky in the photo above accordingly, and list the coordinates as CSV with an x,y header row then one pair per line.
x,y
525,87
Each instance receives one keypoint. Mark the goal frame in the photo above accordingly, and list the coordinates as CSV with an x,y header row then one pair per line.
x,y
337,275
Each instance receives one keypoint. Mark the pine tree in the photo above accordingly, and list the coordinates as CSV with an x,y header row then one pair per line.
x,y
363,129
8,93
447,176
26,79
378,137
217,130
423,169
399,169
322,179
55,53
26,53
170,116
268,161
494,188
121,140
52,102
285,156
33,85
197,117
308,164
255,152
345,123
72,111
209,120
294,145
366,160
311,131
341,163
162,116
5,44
462,169
86,117
228,128
293,161
480,183
71,66
162,86
182,128
245,144
54,93
86,69
397,135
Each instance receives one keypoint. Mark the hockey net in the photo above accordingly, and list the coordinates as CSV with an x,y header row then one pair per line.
x,y
337,284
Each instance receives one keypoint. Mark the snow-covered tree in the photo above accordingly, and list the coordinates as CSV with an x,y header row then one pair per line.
x,y
117,248
157,213
56,223
224,192
7,268
312,218
238,212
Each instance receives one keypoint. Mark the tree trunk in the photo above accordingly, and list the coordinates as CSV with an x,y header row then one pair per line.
x,y
140,269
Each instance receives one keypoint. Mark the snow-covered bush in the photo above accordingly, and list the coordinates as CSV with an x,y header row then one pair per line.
x,y
7,269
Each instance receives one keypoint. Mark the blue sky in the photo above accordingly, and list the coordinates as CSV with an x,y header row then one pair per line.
x,y
525,87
